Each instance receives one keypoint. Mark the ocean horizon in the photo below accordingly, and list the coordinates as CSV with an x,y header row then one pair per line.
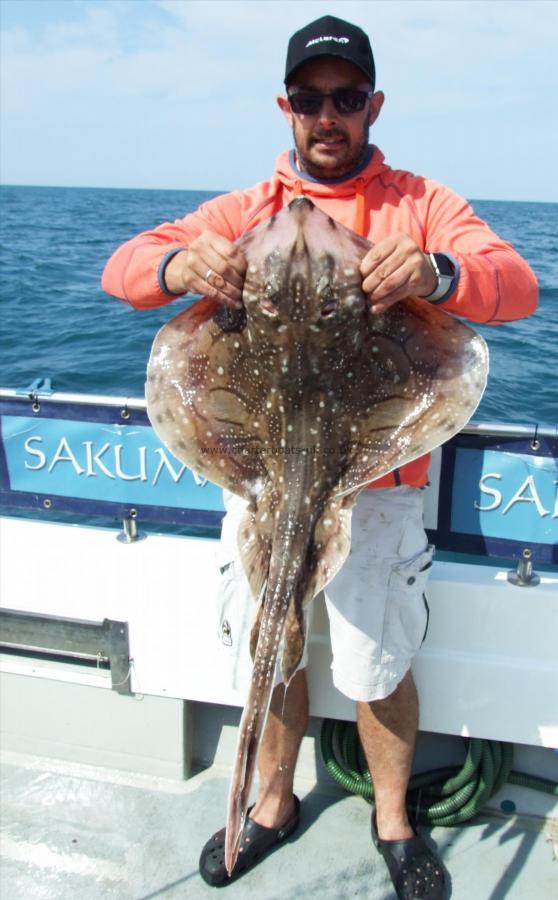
x,y
217,191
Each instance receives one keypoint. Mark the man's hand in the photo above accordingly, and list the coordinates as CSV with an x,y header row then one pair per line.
x,y
211,266
396,268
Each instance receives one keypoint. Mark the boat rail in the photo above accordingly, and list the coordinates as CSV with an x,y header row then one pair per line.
x,y
36,393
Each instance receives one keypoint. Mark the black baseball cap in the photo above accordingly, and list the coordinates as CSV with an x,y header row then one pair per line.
x,y
330,36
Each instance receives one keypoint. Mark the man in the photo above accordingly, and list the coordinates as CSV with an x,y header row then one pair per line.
x,y
428,243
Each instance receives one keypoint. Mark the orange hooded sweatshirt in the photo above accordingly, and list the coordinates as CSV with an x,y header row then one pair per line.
x,y
494,283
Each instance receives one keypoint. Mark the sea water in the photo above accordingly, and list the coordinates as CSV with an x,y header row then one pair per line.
x,y
57,323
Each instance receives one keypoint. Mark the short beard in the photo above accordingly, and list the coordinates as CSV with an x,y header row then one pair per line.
x,y
349,165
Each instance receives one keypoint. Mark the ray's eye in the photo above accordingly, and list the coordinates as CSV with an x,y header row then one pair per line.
x,y
329,308
327,295
271,294
271,291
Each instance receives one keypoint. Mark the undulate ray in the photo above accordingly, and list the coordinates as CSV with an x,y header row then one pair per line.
x,y
295,403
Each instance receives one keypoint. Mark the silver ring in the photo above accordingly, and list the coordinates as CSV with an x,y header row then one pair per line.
x,y
209,275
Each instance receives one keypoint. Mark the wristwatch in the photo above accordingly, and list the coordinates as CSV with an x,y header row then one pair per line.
x,y
445,273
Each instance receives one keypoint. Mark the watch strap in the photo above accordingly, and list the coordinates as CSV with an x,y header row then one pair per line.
x,y
444,281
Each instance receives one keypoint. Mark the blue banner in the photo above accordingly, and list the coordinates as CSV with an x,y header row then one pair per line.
x,y
123,464
497,495
505,495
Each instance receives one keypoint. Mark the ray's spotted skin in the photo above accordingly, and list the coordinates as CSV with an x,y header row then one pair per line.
x,y
296,402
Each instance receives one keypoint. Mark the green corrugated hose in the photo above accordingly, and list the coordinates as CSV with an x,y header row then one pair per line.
x,y
447,796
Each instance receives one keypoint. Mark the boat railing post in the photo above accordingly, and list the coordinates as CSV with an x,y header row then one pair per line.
x,y
130,533
523,575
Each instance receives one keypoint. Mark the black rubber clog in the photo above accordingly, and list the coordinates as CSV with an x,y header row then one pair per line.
x,y
414,869
256,842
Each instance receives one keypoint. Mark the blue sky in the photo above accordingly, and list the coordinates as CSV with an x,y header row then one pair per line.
x,y
180,94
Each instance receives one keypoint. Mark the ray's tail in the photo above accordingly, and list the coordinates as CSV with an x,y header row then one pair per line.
x,y
288,581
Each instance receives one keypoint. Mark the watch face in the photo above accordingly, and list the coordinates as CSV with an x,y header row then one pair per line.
x,y
444,265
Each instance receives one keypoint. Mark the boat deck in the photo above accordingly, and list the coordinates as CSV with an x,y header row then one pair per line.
x,y
78,831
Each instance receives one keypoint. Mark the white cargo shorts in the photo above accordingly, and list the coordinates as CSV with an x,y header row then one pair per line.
x,y
376,604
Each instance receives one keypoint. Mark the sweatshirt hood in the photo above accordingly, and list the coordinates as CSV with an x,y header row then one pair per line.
x,y
298,182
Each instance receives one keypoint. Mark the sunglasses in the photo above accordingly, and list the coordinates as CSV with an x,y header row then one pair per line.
x,y
345,100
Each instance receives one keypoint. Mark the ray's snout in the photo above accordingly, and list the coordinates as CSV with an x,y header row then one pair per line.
x,y
301,207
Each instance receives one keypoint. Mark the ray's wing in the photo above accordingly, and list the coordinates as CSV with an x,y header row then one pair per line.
x,y
419,383
203,397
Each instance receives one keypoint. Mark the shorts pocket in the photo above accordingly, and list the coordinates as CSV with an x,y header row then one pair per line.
x,y
412,573
407,613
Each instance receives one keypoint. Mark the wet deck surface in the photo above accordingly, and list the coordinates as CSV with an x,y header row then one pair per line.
x,y
79,832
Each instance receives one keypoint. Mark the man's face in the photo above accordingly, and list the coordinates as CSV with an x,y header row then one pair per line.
x,y
329,144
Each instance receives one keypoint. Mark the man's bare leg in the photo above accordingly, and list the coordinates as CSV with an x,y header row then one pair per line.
x,y
387,730
284,730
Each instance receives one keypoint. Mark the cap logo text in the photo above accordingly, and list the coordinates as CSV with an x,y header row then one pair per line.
x,y
329,37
